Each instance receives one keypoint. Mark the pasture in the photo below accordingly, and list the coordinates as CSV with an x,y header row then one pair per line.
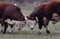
x,y
26,33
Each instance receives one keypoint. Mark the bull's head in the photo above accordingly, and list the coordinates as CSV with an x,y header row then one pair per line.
x,y
30,22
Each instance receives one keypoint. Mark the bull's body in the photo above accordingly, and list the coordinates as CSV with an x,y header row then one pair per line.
x,y
45,10
10,11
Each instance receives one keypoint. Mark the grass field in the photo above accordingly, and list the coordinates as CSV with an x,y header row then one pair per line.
x,y
26,33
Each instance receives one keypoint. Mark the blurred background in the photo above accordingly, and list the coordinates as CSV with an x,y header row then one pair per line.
x,y
28,2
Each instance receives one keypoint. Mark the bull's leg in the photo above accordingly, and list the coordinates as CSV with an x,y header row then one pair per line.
x,y
5,27
2,27
47,30
46,25
11,26
40,23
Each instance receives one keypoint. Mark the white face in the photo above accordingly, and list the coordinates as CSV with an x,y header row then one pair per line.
x,y
30,23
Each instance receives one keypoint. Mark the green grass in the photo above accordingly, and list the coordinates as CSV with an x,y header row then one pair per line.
x,y
26,10
26,33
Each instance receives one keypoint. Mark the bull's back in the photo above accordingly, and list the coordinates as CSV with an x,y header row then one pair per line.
x,y
13,12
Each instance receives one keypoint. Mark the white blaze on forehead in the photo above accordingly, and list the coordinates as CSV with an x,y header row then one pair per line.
x,y
31,23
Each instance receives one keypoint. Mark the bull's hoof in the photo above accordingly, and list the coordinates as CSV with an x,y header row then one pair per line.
x,y
31,28
1,30
4,32
48,32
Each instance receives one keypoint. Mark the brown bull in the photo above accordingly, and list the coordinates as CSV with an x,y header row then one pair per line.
x,y
45,10
10,11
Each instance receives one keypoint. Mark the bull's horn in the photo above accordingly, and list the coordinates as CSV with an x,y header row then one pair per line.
x,y
26,18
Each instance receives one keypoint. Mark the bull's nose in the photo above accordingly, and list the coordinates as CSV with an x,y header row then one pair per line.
x,y
31,28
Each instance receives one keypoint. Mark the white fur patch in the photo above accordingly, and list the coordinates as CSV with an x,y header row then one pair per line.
x,y
9,21
40,30
15,4
47,28
30,23
17,24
